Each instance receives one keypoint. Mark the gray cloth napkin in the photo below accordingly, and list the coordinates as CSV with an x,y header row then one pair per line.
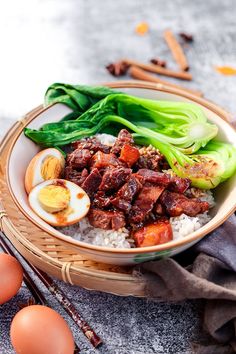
x,y
208,271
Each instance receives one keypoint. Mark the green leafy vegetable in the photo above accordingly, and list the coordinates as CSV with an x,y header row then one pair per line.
x,y
78,97
179,130
181,124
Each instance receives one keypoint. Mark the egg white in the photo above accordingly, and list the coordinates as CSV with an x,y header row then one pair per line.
x,y
33,175
79,206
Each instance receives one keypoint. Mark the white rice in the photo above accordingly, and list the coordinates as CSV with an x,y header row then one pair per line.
x,y
83,231
106,139
184,225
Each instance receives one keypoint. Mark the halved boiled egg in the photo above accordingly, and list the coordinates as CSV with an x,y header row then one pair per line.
x,y
47,164
59,202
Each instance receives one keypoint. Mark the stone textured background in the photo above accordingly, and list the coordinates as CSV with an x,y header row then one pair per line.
x,y
44,41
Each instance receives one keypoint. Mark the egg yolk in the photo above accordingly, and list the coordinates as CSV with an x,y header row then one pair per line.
x,y
51,168
54,198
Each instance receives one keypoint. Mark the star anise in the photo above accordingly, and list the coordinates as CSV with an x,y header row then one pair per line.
x,y
157,61
29,302
186,36
118,69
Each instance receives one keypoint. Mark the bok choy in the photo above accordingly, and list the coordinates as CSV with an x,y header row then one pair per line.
x,y
179,130
78,97
181,124
210,166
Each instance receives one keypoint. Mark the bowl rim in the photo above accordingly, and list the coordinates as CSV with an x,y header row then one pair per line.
x,y
30,116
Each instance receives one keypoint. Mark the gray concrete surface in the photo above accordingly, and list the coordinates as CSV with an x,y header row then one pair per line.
x,y
54,40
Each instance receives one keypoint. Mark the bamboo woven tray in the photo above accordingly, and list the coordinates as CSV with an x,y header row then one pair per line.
x,y
56,257
47,252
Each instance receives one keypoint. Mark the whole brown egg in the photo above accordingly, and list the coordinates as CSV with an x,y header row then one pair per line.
x,y
11,276
38,329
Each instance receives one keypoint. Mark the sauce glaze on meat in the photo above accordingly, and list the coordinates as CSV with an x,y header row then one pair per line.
x,y
127,187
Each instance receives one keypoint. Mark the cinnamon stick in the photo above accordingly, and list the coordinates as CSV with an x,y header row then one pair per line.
x,y
159,70
176,50
140,74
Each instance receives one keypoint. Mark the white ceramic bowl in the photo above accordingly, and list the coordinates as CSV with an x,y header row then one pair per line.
x,y
23,150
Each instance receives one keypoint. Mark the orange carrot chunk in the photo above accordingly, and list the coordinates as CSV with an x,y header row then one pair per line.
x,y
153,234
129,154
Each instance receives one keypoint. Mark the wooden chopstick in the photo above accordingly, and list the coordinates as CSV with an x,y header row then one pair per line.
x,y
94,339
67,305
159,69
176,50
140,74
36,293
